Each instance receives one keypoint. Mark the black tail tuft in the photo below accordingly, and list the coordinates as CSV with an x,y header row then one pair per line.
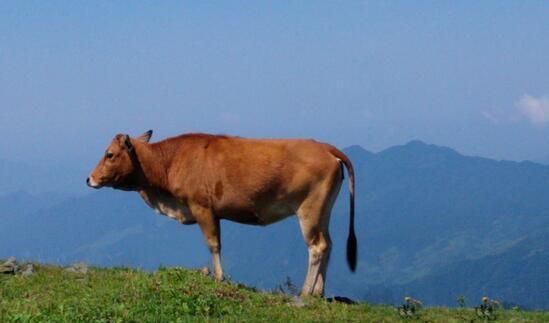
x,y
351,250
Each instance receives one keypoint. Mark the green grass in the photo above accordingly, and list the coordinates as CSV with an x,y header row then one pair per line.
x,y
178,295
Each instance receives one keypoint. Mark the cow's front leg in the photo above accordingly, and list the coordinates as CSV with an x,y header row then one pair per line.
x,y
210,227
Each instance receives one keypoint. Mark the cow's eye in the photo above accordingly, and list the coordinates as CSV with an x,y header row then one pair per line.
x,y
109,155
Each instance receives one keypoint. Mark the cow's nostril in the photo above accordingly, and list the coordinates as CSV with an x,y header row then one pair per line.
x,y
88,180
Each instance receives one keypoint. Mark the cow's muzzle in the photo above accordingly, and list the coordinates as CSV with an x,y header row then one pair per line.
x,y
91,183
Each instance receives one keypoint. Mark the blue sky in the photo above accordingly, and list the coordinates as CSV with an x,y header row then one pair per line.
x,y
472,75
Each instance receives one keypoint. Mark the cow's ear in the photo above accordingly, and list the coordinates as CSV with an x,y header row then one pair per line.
x,y
126,141
146,137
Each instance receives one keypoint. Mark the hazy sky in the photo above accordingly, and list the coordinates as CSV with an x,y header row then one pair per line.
x,y
472,75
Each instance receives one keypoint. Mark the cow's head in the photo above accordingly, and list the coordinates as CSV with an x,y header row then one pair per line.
x,y
119,167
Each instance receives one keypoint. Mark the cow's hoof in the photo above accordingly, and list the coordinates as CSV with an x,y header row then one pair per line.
x,y
205,271
297,301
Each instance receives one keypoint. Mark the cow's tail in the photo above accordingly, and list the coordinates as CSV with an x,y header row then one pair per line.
x,y
351,239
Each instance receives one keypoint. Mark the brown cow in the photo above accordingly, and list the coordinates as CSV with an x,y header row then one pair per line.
x,y
201,178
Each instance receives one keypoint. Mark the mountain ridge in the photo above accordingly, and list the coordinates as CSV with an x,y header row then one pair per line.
x,y
421,209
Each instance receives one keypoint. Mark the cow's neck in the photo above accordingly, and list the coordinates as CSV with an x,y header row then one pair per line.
x,y
153,168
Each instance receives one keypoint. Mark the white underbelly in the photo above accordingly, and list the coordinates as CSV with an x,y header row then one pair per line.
x,y
179,212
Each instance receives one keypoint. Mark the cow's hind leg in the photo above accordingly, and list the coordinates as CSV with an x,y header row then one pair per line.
x,y
314,219
319,285
319,245
318,288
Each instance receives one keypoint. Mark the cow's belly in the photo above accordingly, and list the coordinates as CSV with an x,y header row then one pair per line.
x,y
257,216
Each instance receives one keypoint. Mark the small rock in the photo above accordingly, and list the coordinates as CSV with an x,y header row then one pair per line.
x,y
28,271
9,266
341,299
78,268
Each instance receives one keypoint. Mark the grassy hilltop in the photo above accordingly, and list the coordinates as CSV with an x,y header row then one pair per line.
x,y
52,294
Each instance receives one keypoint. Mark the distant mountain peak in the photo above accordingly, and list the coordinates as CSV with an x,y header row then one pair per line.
x,y
418,147
357,151
416,142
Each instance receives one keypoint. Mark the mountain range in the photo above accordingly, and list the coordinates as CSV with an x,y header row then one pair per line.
x,y
431,223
